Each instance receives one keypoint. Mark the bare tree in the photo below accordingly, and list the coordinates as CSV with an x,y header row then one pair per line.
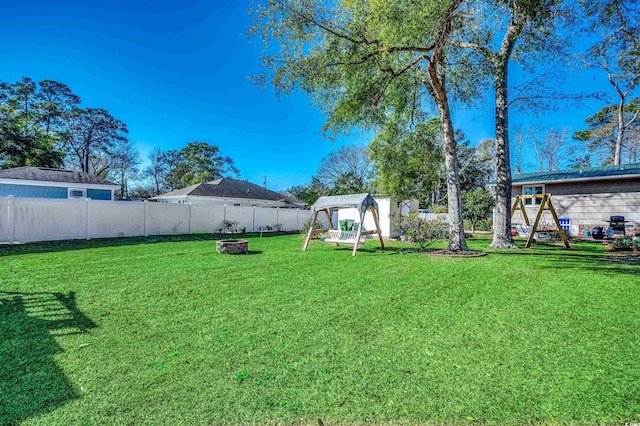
x,y
90,138
157,170
349,169
615,25
549,147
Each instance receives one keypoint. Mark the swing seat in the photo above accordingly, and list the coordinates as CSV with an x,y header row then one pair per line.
x,y
337,236
525,230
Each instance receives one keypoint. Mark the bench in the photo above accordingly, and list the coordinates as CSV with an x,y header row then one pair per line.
x,y
343,237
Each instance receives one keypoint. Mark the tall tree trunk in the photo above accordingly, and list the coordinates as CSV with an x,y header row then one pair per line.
x,y
620,132
456,225
502,212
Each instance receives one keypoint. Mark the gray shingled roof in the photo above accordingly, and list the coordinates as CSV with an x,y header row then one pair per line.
x,y
231,188
51,175
621,170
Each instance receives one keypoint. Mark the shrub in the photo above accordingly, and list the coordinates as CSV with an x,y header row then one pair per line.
x,y
415,229
305,227
626,243
438,208
230,226
477,206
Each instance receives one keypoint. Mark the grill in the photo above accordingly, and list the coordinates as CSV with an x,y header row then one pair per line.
x,y
616,224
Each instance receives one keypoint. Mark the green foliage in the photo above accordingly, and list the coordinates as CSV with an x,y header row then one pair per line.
x,y
600,134
626,243
197,162
477,206
414,228
305,226
311,192
438,208
476,164
32,122
366,64
409,163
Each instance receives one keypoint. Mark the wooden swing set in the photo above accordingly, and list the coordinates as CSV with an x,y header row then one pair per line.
x,y
545,205
362,202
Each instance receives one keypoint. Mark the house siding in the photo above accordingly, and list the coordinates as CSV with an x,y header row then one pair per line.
x,y
588,209
99,194
32,191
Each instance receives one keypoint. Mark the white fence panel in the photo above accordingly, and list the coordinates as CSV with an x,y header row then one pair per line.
x,y
52,220
167,219
5,220
116,219
242,215
39,219
207,218
266,217
288,218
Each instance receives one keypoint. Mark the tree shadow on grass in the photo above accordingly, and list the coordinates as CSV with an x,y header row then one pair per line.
x,y
31,383
590,257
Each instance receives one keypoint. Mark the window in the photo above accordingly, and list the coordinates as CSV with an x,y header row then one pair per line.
x,y
532,190
77,193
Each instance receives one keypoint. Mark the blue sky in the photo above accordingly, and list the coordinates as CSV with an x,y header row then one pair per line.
x,y
176,72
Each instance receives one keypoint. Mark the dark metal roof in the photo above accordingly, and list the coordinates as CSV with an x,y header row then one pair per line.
x,y
51,175
232,188
592,173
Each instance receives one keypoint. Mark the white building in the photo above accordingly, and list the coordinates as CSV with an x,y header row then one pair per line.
x,y
388,207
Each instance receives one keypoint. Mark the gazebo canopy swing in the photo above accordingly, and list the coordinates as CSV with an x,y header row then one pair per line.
x,y
362,202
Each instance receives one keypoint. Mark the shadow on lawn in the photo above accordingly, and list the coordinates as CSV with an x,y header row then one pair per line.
x,y
30,381
590,257
66,245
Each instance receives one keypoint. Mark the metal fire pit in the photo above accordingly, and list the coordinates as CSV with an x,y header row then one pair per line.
x,y
232,246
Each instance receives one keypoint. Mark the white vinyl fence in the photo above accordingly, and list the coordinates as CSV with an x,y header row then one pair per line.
x,y
39,219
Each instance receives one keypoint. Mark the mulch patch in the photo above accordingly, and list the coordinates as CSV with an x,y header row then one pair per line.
x,y
445,253
465,253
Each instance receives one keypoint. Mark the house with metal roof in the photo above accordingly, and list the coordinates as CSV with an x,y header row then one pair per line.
x,y
232,192
588,197
42,182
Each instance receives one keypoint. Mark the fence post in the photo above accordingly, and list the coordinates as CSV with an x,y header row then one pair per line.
x,y
224,214
278,218
11,218
87,217
189,225
144,220
253,225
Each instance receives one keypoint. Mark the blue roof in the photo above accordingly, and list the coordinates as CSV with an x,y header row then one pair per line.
x,y
584,173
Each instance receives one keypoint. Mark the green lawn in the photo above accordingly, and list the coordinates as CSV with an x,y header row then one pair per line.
x,y
167,332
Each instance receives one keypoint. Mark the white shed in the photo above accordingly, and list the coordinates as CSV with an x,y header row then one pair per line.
x,y
388,207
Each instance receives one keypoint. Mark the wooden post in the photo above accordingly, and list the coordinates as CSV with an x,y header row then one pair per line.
x,y
358,235
313,222
549,206
326,212
375,219
519,205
